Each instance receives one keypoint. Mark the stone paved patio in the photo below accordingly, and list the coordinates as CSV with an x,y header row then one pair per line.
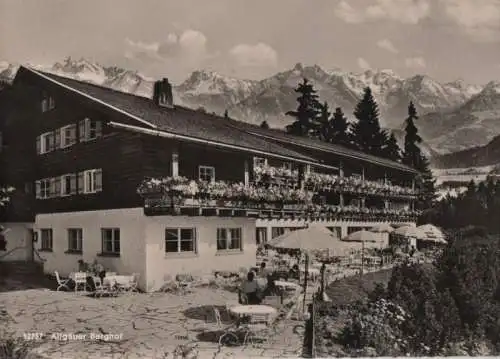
x,y
150,325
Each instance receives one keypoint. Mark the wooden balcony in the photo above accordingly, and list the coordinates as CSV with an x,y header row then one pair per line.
x,y
191,206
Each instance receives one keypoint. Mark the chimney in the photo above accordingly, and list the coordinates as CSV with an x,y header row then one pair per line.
x,y
162,94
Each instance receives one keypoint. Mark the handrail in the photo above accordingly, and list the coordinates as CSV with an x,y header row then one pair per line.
x,y
9,252
16,248
38,255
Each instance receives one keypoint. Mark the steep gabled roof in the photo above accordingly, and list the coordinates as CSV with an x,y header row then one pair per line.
x,y
189,124
306,142
181,122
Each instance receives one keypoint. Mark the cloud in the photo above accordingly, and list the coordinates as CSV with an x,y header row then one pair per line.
x,y
415,62
363,64
190,45
258,55
386,44
479,18
404,11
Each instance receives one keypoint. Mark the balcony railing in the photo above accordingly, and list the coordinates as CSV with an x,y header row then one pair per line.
x,y
173,195
331,183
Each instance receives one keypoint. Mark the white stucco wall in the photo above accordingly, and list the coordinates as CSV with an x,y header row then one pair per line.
x,y
160,265
132,240
18,237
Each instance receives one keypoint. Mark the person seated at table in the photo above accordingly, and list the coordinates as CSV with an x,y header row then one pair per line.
x,y
271,288
251,289
263,271
294,272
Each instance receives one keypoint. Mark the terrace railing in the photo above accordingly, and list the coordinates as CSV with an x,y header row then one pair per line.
x,y
175,203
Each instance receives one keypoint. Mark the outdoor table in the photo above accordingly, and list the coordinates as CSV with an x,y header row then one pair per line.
x,y
285,285
249,310
119,280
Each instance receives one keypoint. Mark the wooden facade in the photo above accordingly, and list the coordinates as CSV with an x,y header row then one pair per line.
x,y
125,157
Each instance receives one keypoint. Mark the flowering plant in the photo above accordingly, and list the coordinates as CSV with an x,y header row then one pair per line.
x,y
265,171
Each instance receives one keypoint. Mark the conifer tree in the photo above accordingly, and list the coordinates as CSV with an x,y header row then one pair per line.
x,y
391,149
411,151
264,124
366,132
339,129
322,131
226,114
307,111
413,157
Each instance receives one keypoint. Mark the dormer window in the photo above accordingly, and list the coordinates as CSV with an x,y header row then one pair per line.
x,y
48,103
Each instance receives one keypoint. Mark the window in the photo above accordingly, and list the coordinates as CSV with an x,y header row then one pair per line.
x,y
68,135
288,166
110,241
45,143
68,184
75,240
91,180
48,103
229,239
206,173
46,239
89,129
179,240
259,161
261,235
43,188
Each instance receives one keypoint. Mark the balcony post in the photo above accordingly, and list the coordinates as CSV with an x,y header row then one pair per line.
x,y
175,163
304,170
247,172
363,173
341,174
385,178
386,204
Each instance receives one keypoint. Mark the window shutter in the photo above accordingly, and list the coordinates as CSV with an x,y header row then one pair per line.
x,y
57,186
80,183
37,189
72,133
98,128
81,129
87,129
57,138
51,141
98,180
73,184
52,187
38,145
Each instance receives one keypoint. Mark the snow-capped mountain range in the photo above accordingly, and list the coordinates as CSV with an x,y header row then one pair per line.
x,y
454,115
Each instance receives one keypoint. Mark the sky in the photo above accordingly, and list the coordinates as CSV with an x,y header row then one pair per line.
x,y
445,39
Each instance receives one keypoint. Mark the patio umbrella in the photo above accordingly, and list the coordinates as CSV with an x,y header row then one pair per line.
x,y
410,232
433,233
362,237
307,239
382,228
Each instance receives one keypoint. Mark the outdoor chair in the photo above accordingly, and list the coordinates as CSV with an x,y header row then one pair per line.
x,y
101,290
134,283
228,336
80,281
61,283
